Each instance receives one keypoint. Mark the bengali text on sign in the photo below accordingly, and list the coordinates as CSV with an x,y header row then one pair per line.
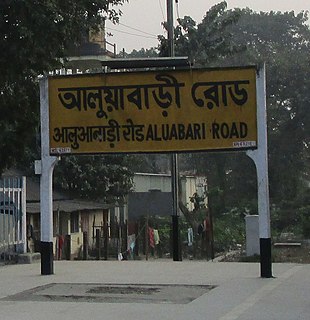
x,y
164,111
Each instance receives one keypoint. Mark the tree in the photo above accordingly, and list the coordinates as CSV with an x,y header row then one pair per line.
x,y
105,178
207,41
35,36
142,53
205,44
281,40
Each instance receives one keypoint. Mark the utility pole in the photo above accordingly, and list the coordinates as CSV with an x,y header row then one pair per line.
x,y
176,249
170,28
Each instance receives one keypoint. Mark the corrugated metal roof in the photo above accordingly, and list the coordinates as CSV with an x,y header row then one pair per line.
x,y
69,206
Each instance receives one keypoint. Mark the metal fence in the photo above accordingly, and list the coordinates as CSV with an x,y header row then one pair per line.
x,y
13,215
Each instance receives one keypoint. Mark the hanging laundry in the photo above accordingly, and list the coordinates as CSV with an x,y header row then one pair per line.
x,y
131,240
156,237
190,237
60,243
151,237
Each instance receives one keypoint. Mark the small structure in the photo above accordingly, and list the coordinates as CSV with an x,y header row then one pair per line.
x,y
90,53
71,217
252,235
148,186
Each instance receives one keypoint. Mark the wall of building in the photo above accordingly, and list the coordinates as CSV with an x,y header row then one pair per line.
x,y
92,220
145,182
76,244
188,189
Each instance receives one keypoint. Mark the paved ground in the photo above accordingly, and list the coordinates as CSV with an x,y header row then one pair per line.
x,y
154,290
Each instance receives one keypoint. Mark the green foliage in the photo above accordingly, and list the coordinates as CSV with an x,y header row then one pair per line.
x,y
142,53
95,177
231,179
35,39
198,201
292,217
305,221
207,41
35,36
163,225
151,163
229,230
282,41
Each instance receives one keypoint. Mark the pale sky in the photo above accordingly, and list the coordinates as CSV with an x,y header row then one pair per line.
x,y
141,20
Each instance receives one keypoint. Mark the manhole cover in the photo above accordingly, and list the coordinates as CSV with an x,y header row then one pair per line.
x,y
113,293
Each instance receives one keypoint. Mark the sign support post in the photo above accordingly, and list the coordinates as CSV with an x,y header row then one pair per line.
x,y
156,111
260,158
176,252
46,189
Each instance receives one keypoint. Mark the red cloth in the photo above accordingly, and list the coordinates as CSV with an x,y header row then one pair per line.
x,y
60,245
151,237
207,225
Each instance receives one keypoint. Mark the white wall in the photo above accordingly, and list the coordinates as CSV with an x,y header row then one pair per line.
x,y
144,182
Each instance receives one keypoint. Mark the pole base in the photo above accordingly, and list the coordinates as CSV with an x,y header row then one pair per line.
x,y
265,258
47,261
176,248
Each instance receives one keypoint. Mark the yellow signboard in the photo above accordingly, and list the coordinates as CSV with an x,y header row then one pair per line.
x,y
156,111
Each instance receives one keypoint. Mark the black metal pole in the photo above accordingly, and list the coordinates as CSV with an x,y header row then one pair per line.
x,y
265,258
177,256
98,244
170,28
85,245
47,261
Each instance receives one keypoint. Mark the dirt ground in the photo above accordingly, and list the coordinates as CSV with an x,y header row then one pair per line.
x,y
279,254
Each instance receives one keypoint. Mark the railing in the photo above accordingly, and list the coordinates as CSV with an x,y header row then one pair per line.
x,y
13,215
97,48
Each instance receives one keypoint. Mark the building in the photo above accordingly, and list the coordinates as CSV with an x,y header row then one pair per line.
x,y
152,194
88,56
70,217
